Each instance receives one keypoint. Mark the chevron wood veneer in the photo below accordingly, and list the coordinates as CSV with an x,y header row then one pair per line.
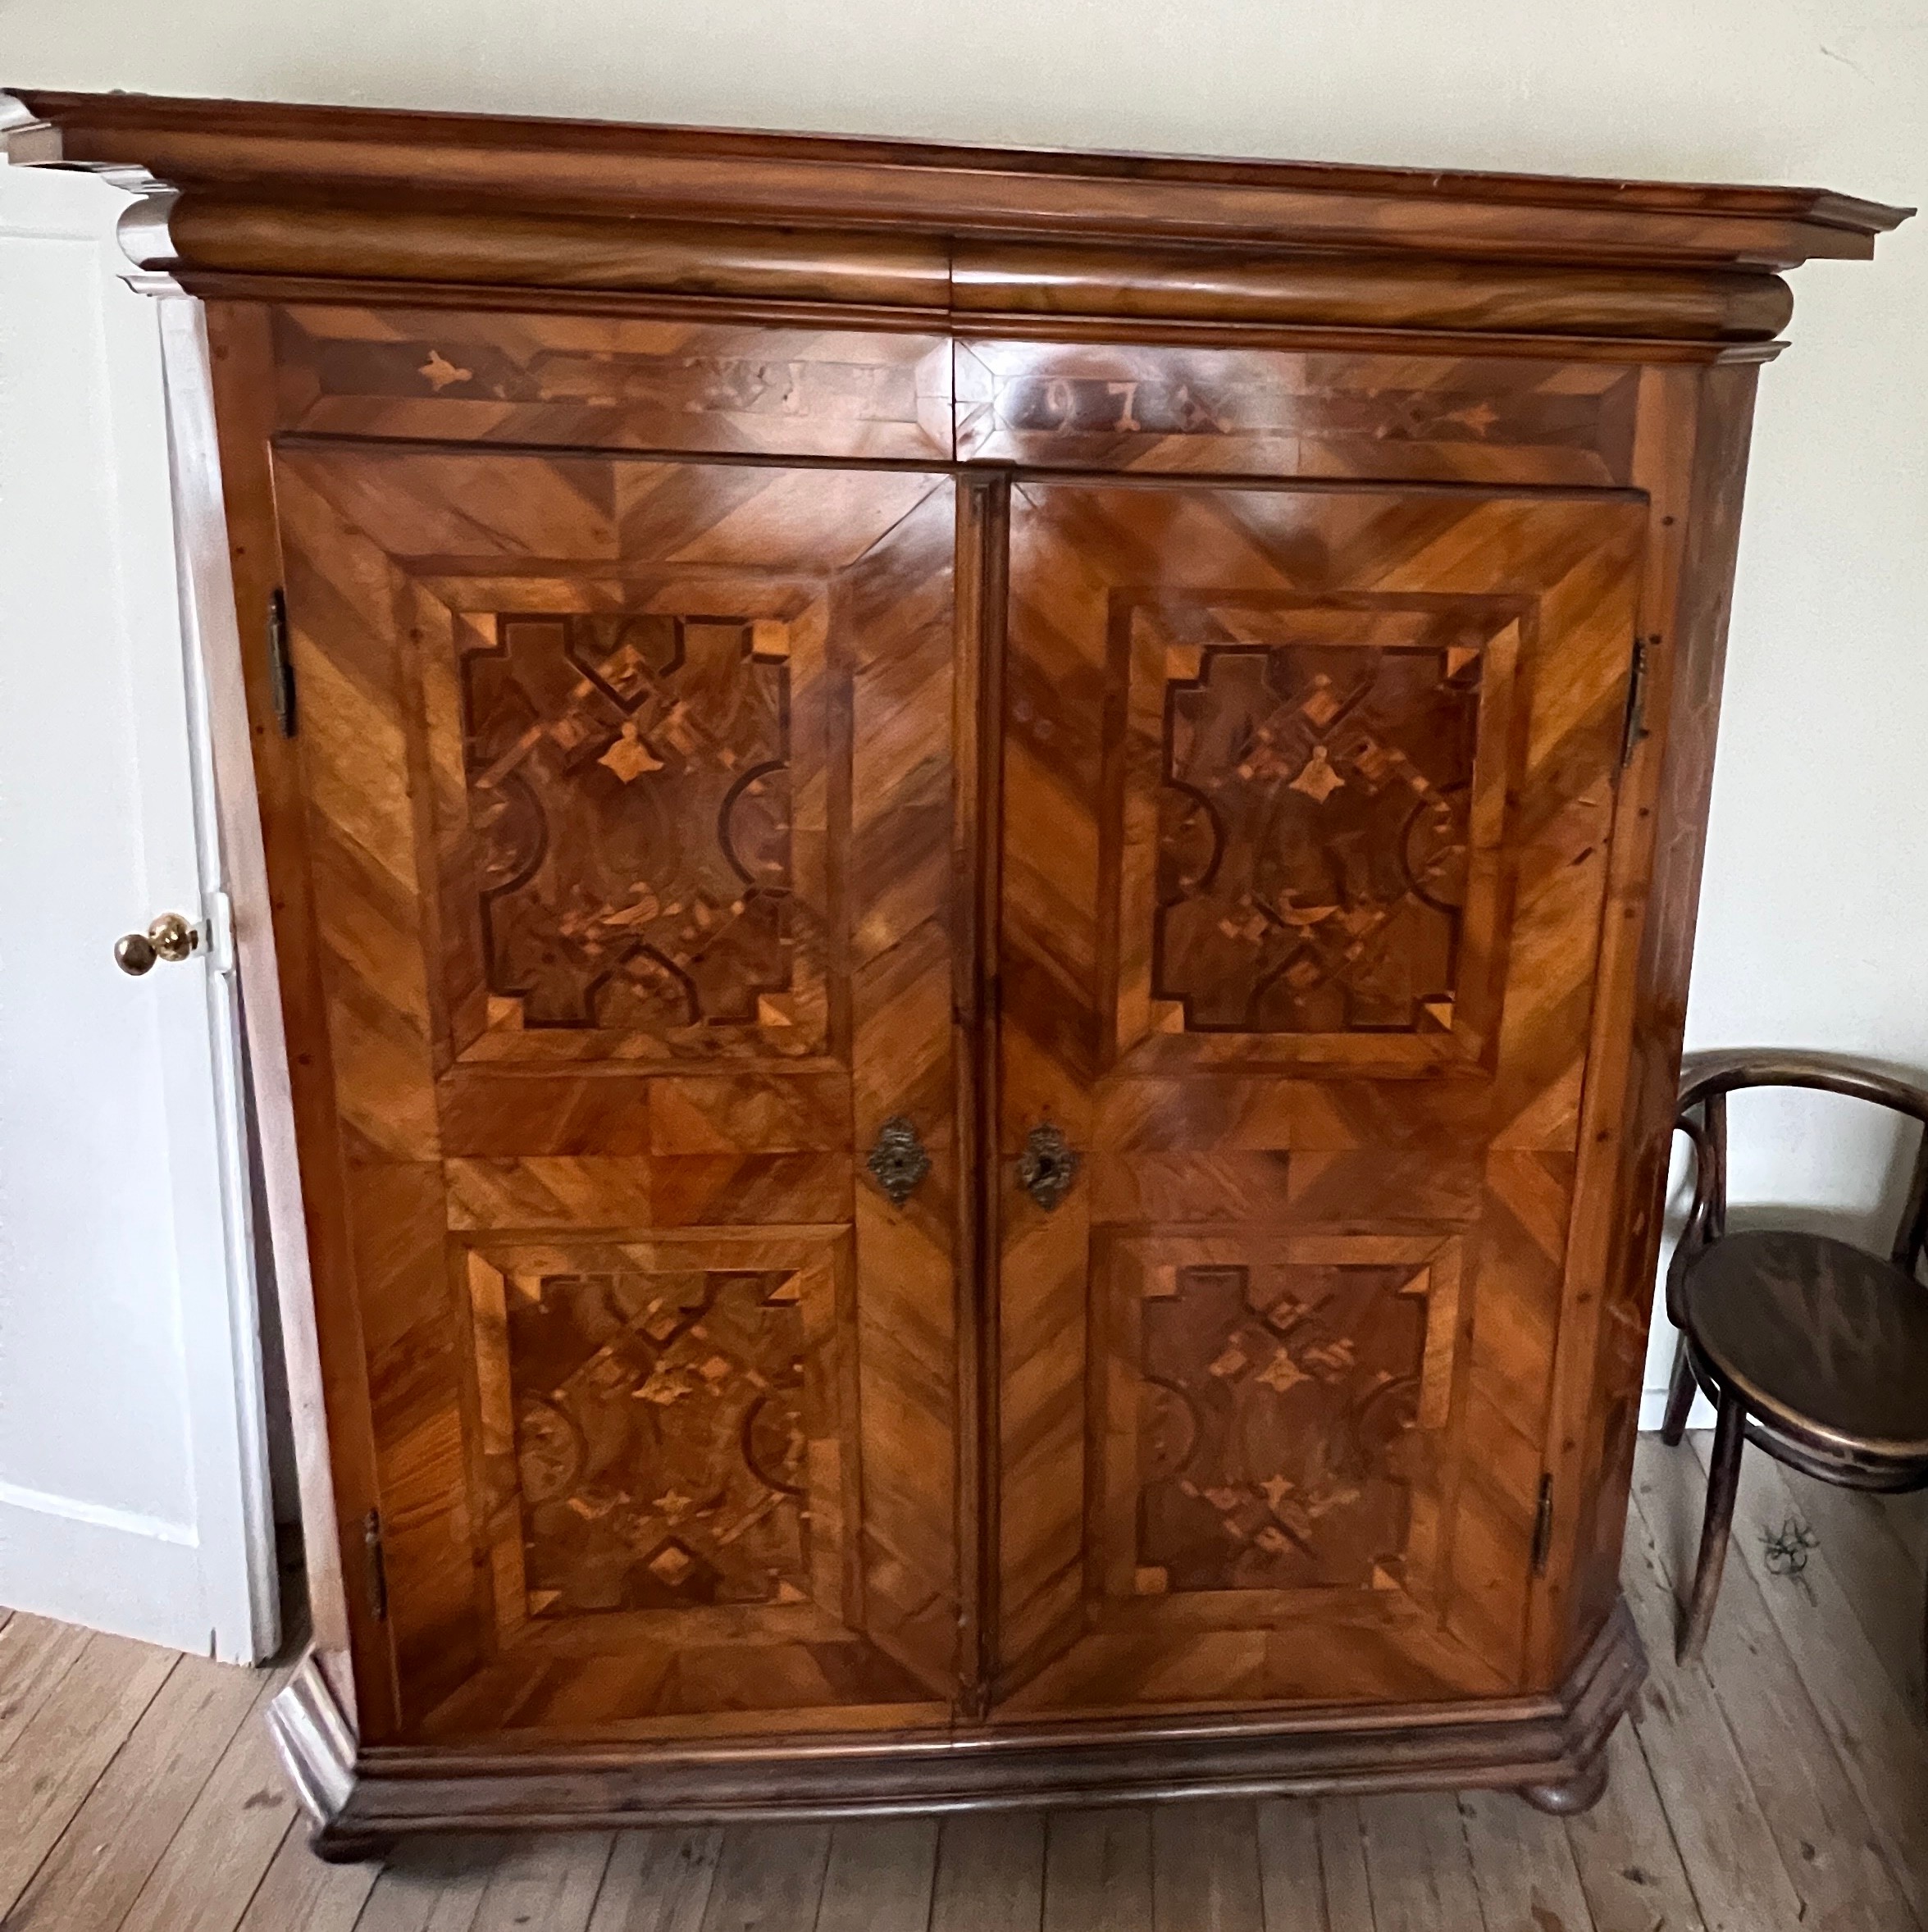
x,y
580,767
978,902
1269,819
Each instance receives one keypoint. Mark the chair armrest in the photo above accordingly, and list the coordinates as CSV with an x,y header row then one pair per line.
x,y
1703,1076
1708,1189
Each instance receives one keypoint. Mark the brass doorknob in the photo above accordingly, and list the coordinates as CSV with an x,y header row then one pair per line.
x,y
170,937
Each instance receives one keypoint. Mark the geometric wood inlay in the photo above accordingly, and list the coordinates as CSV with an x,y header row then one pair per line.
x,y
616,382
585,743
1312,849
1330,780
660,1439
628,778
1275,1404
1157,408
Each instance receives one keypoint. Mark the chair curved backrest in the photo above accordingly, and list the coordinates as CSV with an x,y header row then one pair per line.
x,y
1706,1081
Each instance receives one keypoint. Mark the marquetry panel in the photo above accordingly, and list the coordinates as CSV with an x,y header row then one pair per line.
x,y
610,383
582,742
660,1428
1248,781
635,876
1268,1407
1238,412
1304,969
1312,810
1275,1439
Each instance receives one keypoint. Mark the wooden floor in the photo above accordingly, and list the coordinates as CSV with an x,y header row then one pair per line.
x,y
1783,1783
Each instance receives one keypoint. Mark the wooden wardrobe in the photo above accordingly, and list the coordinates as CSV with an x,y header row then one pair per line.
x,y
978,877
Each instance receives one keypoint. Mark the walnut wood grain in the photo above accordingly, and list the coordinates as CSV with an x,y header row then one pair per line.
x,y
700,173
607,383
1368,290
215,235
422,199
797,636
354,1796
1305,818
1693,460
383,241
1228,412
352,1649
575,810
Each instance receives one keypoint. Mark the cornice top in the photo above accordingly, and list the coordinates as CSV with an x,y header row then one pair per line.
x,y
360,155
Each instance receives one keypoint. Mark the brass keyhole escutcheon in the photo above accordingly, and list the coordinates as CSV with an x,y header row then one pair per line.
x,y
1047,1167
898,1160
170,937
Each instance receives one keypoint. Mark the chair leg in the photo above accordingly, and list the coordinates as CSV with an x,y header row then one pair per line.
x,y
1679,1397
1723,1487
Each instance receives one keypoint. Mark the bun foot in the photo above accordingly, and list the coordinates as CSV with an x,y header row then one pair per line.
x,y
334,1846
1580,1793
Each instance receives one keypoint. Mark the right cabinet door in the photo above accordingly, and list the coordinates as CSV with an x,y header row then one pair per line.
x,y
1307,803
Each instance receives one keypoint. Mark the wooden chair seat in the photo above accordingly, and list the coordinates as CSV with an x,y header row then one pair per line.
x,y
1823,1339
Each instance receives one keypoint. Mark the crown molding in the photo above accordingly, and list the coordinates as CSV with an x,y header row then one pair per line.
x,y
696,174
387,197
142,230
26,139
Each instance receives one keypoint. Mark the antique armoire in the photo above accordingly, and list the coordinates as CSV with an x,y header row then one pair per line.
x,y
966,880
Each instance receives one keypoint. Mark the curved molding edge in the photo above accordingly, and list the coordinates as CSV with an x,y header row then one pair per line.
x,y
26,139
313,1739
143,230
358,1798
289,152
573,211
927,275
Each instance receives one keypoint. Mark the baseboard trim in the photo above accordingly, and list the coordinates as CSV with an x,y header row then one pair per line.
x,y
1653,1406
361,1799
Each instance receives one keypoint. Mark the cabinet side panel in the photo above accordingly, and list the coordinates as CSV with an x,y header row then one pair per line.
x,y
333,1382
1694,435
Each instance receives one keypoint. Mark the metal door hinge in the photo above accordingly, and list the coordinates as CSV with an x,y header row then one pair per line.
x,y
376,1565
280,665
1633,726
1542,1527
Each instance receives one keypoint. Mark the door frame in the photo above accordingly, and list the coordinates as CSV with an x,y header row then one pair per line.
x,y
203,1576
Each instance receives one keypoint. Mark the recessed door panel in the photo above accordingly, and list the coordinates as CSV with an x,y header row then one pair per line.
x,y
1307,798
661,1379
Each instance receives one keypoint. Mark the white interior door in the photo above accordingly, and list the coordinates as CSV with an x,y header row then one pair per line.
x,y
134,1489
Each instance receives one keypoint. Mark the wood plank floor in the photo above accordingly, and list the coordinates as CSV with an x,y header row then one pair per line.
x,y
1781,1783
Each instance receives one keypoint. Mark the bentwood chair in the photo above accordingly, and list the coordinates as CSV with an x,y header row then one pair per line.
x,y
1810,1348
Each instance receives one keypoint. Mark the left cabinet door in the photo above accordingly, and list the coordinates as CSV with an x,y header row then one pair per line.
x,y
627,804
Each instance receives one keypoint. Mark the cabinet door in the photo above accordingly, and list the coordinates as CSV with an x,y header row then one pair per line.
x,y
627,802
1307,803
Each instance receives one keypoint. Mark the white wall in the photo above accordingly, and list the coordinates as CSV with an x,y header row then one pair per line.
x,y
1815,927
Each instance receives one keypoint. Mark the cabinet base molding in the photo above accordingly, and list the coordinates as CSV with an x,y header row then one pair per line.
x,y
1580,1793
1551,1749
